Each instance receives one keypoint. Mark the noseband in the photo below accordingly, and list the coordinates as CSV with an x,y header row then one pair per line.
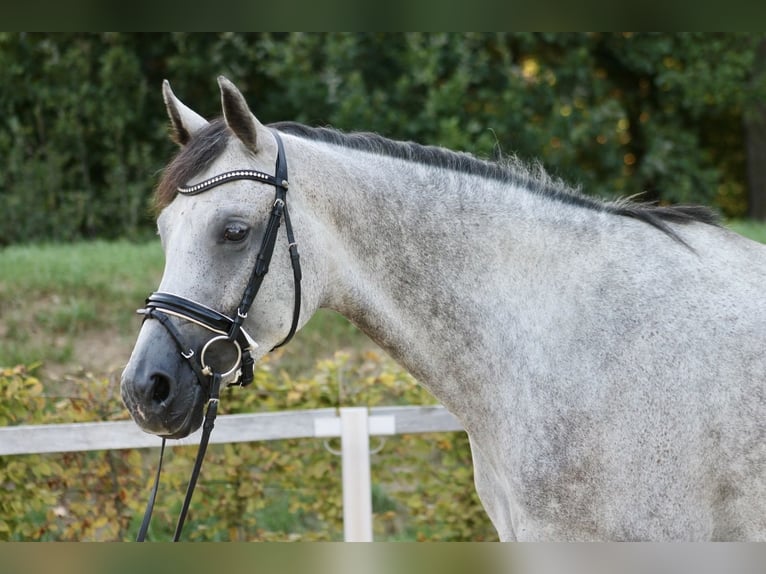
x,y
161,306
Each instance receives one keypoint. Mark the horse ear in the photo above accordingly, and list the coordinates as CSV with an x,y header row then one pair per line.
x,y
237,114
184,120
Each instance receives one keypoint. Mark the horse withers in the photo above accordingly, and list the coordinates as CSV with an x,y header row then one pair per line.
x,y
605,358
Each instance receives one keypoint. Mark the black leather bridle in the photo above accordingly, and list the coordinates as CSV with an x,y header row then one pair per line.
x,y
162,306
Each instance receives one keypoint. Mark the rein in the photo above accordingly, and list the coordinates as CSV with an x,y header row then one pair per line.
x,y
162,306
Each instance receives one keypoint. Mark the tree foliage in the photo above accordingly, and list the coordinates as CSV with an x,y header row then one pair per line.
x,y
83,128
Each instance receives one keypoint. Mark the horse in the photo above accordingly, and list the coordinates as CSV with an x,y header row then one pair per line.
x,y
604,357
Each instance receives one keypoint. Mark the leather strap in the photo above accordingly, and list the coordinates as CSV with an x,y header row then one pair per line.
x,y
261,267
217,180
207,428
152,497
187,352
297,276
210,319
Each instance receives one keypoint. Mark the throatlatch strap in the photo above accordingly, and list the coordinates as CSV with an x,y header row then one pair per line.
x,y
297,276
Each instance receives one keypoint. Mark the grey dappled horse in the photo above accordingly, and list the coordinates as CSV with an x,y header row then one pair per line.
x,y
606,359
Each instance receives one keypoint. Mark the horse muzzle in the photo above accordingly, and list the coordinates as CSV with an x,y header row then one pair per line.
x,y
165,398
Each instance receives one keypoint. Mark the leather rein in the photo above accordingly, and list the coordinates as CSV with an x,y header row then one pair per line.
x,y
162,306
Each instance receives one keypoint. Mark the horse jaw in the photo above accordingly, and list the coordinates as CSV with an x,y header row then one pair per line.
x,y
185,121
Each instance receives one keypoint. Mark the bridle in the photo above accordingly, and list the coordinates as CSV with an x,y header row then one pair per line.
x,y
227,328
162,306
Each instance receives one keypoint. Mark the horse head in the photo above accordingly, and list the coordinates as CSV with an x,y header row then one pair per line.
x,y
219,224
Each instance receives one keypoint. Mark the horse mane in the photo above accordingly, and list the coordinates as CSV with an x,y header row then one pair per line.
x,y
509,170
208,144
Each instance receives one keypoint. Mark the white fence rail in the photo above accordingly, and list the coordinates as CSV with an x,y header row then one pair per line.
x,y
354,426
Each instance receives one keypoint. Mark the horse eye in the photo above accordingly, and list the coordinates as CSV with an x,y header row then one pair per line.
x,y
236,233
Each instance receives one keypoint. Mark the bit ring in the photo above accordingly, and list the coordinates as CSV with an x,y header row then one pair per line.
x,y
237,362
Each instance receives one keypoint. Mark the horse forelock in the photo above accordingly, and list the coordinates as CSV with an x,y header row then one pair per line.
x,y
205,146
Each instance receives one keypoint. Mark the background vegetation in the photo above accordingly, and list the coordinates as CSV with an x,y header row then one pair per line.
x,y
68,314
83,137
280,490
83,128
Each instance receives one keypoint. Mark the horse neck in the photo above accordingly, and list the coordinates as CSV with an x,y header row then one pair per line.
x,y
427,261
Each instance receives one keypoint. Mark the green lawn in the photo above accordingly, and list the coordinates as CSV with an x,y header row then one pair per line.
x,y
72,306
755,230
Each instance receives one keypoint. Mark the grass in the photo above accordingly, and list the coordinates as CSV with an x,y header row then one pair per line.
x,y
69,306
72,306
52,295
755,230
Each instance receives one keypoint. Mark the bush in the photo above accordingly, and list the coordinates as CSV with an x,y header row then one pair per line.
x,y
277,490
83,131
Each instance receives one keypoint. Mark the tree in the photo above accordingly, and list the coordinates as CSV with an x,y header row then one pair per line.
x,y
755,129
83,128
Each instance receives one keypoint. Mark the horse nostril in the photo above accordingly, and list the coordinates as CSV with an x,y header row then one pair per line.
x,y
160,387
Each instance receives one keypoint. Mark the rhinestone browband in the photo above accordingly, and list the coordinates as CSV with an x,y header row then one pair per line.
x,y
231,176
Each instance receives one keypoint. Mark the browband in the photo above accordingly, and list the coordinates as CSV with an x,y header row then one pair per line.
x,y
231,176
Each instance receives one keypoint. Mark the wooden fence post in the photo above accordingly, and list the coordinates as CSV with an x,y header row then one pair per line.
x,y
357,491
